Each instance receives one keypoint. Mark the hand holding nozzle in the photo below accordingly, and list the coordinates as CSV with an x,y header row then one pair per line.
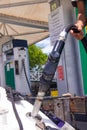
x,y
77,33
75,29
80,36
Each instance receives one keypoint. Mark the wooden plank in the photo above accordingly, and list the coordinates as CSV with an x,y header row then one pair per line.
x,y
78,105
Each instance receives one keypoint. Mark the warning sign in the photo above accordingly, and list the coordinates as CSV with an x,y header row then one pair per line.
x,y
60,73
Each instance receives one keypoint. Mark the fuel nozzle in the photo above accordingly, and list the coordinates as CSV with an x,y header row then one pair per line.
x,y
50,69
39,99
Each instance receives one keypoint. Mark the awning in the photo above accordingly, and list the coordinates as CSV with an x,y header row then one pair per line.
x,y
25,19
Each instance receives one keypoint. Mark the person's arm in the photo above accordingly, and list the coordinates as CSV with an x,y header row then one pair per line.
x,y
81,18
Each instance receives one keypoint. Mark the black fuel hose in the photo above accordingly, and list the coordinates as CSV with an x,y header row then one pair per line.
x,y
74,28
14,107
23,63
54,57
71,27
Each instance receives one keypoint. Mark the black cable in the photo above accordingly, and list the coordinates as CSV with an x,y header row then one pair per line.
x,y
71,27
84,42
14,108
26,76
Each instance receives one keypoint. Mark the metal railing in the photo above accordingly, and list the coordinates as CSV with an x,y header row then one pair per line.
x,y
35,75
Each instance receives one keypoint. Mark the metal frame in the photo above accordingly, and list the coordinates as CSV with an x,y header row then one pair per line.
x,y
29,33
20,21
23,21
23,3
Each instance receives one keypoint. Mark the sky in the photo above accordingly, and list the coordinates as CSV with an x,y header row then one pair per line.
x,y
45,45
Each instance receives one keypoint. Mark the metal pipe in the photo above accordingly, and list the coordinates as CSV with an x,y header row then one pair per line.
x,y
23,21
29,33
22,3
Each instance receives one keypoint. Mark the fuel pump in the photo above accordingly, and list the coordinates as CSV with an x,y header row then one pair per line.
x,y
16,65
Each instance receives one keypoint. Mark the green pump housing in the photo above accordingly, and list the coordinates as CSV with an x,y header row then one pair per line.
x,y
15,53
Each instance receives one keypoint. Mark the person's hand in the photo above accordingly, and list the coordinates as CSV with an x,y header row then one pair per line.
x,y
79,35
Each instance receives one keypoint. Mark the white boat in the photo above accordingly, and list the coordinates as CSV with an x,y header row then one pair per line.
x,y
8,120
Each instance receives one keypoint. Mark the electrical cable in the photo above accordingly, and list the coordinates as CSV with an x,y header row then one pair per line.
x,y
14,108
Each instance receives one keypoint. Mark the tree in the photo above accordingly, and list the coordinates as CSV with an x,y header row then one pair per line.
x,y
36,56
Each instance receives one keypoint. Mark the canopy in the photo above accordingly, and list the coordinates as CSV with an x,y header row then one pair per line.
x,y
25,19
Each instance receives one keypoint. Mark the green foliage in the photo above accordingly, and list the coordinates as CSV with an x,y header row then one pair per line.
x,y
36,56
